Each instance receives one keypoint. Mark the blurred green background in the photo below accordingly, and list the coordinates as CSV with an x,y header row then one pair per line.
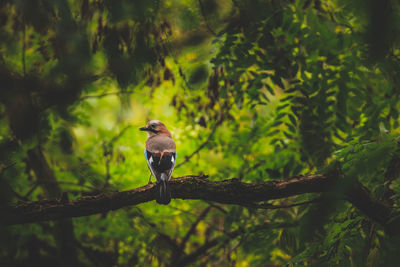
x,y
256,90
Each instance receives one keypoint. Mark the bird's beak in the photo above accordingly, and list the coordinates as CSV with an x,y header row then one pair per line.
x,y
143,128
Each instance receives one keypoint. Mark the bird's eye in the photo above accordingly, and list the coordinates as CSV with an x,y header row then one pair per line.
x,y
153,125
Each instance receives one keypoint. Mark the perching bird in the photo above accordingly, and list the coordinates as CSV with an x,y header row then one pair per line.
x,y
160,153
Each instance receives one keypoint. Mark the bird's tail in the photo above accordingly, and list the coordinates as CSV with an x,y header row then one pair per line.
x,y
165,194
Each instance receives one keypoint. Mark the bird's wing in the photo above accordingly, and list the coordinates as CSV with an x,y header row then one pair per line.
x,y
149,159
156,169
173,160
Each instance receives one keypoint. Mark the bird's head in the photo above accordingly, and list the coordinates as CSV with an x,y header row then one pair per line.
x,y
154,127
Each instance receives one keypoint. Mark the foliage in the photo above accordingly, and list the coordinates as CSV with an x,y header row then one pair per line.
x,y
258,90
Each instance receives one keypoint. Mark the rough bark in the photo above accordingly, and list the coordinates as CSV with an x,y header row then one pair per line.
x,y
378,211
231,191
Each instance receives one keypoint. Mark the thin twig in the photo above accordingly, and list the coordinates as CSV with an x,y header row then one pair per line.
x,y
181,210
339,23
227,254
67,183
192,229
172,243
19,196
226,238
108,151
187,158
115,138
205,18
217,207
23,48
31,190
174,56
369,242
268,206
95,256
3,168
106,94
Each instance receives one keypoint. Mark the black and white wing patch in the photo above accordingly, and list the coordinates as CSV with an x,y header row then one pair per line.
x,y
160,163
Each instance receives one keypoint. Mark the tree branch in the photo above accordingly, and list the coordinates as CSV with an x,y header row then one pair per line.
x,y
192,229
190,187
268,206
5,167
205,18
227,237
231,191
210,136
376,210
105,94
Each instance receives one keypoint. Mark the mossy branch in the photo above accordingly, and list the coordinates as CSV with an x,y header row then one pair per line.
x,y
232,191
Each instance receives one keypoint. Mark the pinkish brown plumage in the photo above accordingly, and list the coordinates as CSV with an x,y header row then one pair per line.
x,y
160,153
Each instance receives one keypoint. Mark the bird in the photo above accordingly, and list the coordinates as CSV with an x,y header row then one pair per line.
x,y
160,153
